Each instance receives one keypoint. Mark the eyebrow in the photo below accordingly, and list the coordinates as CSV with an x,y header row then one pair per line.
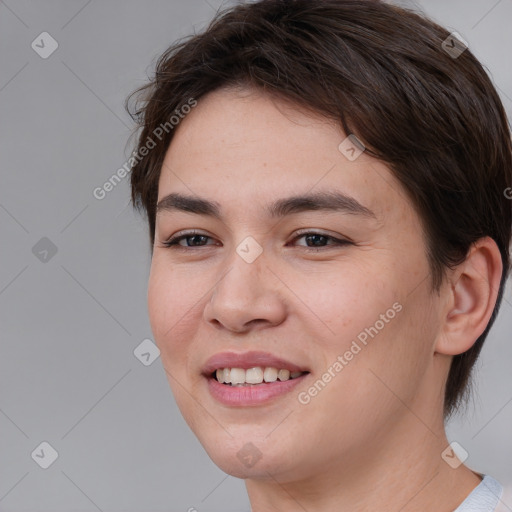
x,y
327,201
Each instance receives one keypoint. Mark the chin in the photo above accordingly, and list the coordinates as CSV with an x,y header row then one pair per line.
x,y
246,466
245,453
260,459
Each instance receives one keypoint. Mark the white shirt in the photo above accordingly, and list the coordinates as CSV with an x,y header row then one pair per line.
x,y
485,497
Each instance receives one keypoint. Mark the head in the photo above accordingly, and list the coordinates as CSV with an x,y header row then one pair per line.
x,y
253,116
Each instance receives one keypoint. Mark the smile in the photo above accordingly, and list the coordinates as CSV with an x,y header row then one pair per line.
x,y
250,378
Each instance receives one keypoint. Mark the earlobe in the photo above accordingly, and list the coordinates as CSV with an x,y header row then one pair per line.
x,y
474,286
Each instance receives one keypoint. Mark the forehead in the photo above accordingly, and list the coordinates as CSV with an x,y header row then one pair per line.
x,y
247,146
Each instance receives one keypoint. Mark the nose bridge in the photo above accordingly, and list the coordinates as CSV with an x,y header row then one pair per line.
x,y
244,279
245,292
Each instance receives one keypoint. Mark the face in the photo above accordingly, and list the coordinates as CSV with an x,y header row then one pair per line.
x,y
333,287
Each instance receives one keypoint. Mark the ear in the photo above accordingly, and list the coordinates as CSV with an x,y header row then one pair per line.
x,y
473,290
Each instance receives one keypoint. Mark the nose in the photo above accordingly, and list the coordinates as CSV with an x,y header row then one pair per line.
x,y
248,296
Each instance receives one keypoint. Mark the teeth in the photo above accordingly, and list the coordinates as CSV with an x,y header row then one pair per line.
x,y
237,376
283,374
270,375
256,375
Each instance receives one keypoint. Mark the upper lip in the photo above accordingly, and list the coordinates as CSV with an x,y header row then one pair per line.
x,y
246,360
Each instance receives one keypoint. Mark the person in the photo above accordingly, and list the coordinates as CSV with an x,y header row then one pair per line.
x,y
325,184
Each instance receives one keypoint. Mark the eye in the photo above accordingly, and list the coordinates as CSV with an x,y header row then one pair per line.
x,y
317,240
195,237
314,241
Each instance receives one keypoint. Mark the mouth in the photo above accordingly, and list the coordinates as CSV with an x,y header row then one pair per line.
x,y
251,378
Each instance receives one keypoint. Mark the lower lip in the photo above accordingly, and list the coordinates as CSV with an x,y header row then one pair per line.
x,y
254,394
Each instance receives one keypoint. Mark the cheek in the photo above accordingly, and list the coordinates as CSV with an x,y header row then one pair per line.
x,y
342,303
173,308
383,360
173,305
369,333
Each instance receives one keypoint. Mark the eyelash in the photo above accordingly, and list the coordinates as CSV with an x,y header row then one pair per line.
x,y
173,242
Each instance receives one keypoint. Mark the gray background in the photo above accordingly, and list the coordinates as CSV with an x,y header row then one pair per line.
x,y
69,325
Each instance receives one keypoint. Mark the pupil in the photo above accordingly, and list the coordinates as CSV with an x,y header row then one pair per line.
x,y
195,237
309,238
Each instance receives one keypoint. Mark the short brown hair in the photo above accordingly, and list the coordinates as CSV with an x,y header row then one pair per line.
x,y
383,73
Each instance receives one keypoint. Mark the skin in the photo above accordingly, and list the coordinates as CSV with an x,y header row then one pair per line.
x,y
372,438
